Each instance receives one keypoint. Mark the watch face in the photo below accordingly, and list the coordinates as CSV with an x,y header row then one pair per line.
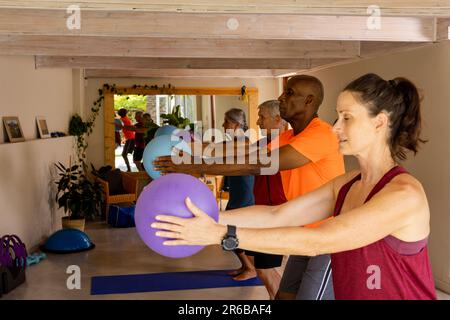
x,y
230,243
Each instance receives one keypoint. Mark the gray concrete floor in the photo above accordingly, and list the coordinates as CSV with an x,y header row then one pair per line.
x,y
119,252
120,162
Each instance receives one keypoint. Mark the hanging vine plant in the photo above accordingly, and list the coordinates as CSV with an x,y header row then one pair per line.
x,y
82,129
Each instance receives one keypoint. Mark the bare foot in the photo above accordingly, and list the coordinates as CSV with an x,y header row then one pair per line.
x,y
246,275
235,272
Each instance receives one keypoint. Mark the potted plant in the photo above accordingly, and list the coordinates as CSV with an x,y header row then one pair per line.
x,y
175,119
79,197
79,128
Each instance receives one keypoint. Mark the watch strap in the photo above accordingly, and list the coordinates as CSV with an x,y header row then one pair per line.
x,y
231,231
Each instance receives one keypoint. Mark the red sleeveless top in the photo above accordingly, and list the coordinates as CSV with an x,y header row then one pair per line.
x,y
268,190
389,269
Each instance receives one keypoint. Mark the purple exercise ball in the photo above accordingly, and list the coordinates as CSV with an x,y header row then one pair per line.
x,y
166,196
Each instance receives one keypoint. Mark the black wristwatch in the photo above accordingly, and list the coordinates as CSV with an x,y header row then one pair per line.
x,y
230,241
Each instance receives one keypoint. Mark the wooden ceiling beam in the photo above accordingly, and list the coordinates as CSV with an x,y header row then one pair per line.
x,y
223,26
310,7
443,29
179,73
130,63
369,49
175,48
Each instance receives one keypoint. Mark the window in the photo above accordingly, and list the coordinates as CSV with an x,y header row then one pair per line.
x,y
166,103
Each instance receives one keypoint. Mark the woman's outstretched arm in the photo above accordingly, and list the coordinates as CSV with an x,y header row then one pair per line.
x,y
394,210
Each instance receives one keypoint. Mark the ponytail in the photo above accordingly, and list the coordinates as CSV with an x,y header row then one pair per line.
x,y
409,125
237,116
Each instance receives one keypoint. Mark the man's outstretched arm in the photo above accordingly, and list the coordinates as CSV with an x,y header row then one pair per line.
x,y
236,165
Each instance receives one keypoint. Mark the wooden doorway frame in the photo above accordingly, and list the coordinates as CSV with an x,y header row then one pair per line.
x,y
108,109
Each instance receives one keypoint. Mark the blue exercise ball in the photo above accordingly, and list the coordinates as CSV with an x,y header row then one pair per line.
x,y
68,241
183,134
165,130
161,146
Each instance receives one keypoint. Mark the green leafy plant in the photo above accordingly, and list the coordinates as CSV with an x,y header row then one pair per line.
x,y
78,128
79,197
152,128
130,102
175,119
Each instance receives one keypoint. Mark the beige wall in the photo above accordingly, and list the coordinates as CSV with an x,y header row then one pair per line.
x,y
206,112
27,205
429,68
268,89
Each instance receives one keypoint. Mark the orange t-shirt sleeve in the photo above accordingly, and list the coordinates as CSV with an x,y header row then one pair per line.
x,y
316,143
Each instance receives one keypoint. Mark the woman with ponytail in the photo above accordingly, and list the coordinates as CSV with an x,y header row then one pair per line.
x,y
381,218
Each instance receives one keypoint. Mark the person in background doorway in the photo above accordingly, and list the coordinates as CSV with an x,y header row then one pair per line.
x,y
118,124
129,136
139,140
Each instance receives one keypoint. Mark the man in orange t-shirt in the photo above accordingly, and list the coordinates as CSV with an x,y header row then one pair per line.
x,y
317,143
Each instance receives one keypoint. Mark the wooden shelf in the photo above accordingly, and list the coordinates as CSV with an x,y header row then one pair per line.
x,y
34,140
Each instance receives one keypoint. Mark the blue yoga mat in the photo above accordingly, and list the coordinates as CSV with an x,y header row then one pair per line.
x,y
167,281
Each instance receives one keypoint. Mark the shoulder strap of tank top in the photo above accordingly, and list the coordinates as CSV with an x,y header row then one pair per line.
x,y
391,174
343,193
383,181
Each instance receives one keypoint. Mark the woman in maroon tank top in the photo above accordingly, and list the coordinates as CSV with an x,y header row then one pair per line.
x,y
378,236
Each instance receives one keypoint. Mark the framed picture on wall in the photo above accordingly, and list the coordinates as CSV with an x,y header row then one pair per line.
x,y
13,129
42,127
